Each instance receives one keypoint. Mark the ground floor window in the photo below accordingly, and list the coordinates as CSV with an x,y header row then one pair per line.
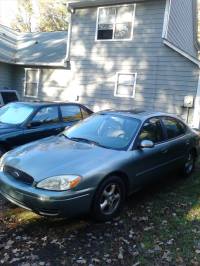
x,y
125,85
32,77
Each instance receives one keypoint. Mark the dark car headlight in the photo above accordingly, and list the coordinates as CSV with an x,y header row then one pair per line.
x,y
60,183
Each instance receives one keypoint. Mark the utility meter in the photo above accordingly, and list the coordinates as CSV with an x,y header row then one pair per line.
x,y
188,101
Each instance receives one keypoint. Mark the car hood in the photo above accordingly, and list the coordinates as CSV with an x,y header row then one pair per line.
x,y
58,156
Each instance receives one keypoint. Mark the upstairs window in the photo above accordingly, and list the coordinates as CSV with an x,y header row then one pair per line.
x,y
32,77
115,23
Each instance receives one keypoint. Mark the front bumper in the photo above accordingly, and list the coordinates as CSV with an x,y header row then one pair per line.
x,y
47,203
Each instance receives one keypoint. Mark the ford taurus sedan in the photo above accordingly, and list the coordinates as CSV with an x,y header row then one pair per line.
x,y
93,165
23,122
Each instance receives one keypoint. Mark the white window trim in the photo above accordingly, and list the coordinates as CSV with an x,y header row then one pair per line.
x,y
38,82
115,40
116,84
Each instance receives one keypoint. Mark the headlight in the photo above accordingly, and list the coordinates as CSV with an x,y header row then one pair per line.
x,y
60,183
2,162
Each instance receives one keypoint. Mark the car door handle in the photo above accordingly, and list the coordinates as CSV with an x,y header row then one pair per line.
x,y
164,151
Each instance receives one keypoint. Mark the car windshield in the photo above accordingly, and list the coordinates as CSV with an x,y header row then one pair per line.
x,y
106,130
15,113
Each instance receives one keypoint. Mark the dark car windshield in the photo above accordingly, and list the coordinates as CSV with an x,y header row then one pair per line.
x,y
107,130
15,113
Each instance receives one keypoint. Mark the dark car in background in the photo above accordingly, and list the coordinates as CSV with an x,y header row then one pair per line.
x,y
95,164
23,122
8,96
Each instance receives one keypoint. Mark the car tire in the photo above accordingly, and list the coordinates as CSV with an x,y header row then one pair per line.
x,y
189,164
109,199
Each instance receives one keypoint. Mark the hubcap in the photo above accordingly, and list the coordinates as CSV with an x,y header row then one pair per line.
x,y
189,165
110,199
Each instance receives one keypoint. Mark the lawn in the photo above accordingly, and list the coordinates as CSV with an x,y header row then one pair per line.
x,y
159,226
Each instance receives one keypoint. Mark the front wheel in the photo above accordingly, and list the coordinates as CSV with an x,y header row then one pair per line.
x,y
189,164
109,198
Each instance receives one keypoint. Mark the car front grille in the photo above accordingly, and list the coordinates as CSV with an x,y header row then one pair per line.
x,y
18,174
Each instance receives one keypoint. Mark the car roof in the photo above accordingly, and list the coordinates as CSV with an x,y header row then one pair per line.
x,y
138,113
46,103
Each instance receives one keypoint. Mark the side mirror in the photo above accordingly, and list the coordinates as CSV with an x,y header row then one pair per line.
x,y
34,124
146,144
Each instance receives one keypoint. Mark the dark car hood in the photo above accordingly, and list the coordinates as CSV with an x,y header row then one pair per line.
x,y
57,156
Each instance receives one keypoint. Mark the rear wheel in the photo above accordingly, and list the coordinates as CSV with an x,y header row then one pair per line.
x,y
109,198
189,164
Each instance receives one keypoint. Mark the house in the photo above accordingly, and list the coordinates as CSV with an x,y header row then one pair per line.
x,y
125,54
136,54
33,64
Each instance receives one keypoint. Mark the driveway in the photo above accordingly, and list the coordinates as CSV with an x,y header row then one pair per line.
x,y
159,226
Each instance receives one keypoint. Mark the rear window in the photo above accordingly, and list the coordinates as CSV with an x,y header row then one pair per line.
x,y
9,96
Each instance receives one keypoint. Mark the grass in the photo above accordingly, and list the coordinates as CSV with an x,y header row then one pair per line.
x,y
175,216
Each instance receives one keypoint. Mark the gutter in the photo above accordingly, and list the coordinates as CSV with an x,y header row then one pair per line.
x,y
97,3
39,64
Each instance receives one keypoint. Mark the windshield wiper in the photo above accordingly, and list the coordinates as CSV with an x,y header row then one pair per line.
x,y
87,141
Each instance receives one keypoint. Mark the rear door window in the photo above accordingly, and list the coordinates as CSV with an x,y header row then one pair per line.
x,y
174,127
71,113
152,130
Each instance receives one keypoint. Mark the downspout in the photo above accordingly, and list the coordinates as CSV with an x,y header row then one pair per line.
x,y
196,114
69,34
